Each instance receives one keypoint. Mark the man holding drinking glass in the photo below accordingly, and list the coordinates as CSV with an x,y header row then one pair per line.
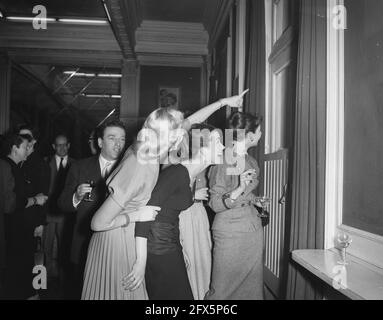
x,y
85,191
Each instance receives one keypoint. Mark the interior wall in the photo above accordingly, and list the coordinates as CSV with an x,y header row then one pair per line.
x,y
187,79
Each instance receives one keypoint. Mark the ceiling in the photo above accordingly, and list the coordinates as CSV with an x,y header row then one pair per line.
x,y
88,49
55,8
63,43
174,10
163,10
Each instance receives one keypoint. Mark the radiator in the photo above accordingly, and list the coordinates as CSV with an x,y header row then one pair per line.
x,y
275,184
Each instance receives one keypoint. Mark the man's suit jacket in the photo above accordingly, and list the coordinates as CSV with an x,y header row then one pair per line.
x,y
80,172
37,176
55,189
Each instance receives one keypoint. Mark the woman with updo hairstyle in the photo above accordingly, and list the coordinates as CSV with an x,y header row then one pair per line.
x,y
237,230
112,252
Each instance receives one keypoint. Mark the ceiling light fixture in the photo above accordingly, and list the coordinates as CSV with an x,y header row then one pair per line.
x,y
107,11
79,74
113,96
30,19
110,75
83,21
100,75
103,120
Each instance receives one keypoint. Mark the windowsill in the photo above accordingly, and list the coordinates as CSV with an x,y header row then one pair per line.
x,y
360,282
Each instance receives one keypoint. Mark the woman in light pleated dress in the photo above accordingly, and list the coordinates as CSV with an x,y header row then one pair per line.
x,y
196,240
111,252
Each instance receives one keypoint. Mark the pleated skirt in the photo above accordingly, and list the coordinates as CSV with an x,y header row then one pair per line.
x,y
111,255
196,243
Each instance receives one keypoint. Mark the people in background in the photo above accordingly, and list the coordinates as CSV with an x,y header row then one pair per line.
x,y
163,98
158,242
20,224
237,230
171,100
112,253
37,175
7,205
59,229
85,191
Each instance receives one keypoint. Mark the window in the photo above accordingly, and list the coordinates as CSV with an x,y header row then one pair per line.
x,y
354,171
279,72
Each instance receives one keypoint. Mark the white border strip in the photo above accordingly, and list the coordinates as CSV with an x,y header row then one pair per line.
x,y
334,127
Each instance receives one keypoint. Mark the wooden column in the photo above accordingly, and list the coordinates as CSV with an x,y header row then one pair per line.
x,y
130,83
5,92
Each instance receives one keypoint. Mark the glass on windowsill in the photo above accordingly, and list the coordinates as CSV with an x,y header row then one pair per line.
x,y
344,240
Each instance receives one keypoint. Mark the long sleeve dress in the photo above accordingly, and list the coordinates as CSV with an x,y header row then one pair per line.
x,y
238,238
111,254
165,275
196,243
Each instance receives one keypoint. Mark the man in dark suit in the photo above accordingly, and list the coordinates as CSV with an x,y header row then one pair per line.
x,y
75,197
59,224
37,176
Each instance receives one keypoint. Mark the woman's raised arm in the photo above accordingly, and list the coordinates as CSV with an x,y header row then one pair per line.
x,y
204,113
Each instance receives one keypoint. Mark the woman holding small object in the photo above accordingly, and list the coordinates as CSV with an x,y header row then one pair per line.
x,y
237,229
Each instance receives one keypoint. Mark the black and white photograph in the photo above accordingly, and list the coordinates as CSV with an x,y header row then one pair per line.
x,y
207,151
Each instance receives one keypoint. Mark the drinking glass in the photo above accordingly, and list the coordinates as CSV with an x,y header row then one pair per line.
x,y
88,196
265,201
344,240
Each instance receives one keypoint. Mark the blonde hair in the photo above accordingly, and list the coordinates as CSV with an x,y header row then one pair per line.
x,y
159,119
173,118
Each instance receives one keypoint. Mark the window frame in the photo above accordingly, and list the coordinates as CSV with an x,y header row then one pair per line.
x,y
366,246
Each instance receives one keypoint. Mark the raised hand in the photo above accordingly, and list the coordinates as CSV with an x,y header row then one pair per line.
x,y
246,178
235,101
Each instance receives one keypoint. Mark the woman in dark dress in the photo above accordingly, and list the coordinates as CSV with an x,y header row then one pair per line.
x,y
158,242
